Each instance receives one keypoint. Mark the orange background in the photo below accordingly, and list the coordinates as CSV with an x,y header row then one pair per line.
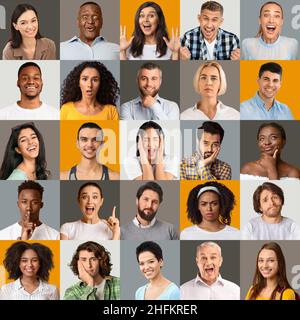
x,y
54,245
287,94
187,185
170,8
69,153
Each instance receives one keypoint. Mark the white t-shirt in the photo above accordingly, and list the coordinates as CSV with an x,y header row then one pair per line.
x,y
258,229
79,230
196,233
133,167
210,49
15,112
149,53
244,176
100,290
42,232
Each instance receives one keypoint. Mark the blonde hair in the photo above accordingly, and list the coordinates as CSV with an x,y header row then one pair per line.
x,y
223,83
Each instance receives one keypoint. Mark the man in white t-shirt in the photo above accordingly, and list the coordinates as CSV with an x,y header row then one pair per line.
x,y
29,107
29,227
268,200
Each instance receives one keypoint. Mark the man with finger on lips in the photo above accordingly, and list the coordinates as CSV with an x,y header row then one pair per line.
x,y
204,163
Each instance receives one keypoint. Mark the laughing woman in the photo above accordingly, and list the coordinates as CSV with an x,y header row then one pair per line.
x,y
26,42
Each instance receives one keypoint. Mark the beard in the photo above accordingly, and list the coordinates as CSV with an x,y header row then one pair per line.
x,y
147,217
144,93
207,154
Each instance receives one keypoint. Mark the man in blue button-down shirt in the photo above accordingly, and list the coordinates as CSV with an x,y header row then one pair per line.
x,y
263,105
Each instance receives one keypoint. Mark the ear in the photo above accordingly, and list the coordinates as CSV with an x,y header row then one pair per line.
x,y
17,150
136,201
222,20
42,204
221,261
102,200
18,85
198,17
16,26
77,144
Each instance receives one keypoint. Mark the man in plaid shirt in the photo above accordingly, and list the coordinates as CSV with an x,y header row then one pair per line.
x,y
209,41
204,165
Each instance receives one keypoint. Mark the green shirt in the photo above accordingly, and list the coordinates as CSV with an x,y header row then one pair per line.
x,y
81,291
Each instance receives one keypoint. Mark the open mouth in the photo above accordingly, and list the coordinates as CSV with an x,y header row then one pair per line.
x,y
270,28
32,148
89,210
209,271
90,29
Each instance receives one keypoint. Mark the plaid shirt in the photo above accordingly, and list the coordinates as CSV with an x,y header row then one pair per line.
x,y
81,291
226,42
191,168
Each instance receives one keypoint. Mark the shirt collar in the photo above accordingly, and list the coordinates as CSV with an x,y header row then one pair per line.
x,y
18,285
219,106
18,52
198,280
137,223
138,100
217,37
260,102
77,39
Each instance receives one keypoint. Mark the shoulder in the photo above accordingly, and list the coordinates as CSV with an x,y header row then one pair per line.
x,y
293,172
289,41
192,32
188,114
188,284
8,51
186,232
228,33
249,41
64,175
231,284
113,175
113,280
68,105
139,294
46,42
231,229
288,294
248,167
17,174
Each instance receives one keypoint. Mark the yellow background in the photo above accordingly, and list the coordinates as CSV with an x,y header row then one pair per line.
x,y
170,8
187,185
54,245
289,92
69,153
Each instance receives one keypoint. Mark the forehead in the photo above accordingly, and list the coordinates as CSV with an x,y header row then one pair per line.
x,y
150,73
26,132
29,253
91,72
86,254
208,250
30,193
267,253
269,130
148,10
27,15
270,75
266,193
150,132
30,70
208,196
90,8
89,132
90,189
210,70
150,194
146,255
210,14
271,7
206,136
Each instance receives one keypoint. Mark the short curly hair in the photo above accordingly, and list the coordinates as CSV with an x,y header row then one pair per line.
x,y
226,198
13,257
100,252
108,92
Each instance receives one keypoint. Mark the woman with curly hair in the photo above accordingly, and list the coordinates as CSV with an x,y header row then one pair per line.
x,y
150,39
209,208
89,92
270,281
29,265
25,156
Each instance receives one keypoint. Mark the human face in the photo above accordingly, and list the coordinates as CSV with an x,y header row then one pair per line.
x,y
30,204
270,204
147,205
89,141
149,265
151,141
268,85
267,263
89,22
209,143
149,82
270,140
28,144
271,21
209,262
209,206
27,24
89,83
210,22
209,82
148,21
30,82
90,202
29,263
90,263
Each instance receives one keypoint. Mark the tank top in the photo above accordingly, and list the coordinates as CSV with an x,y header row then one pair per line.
x,y
105,176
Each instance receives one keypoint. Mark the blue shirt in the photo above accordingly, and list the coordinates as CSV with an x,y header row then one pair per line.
x,y
75,49
172,292
254,109
162,109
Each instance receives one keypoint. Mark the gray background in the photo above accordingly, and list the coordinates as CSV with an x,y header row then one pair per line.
x,y
249,148
49,129
111,19
10,93
250,14
48,12
249,251
66,66
68,248
189,10
230,269
188,96
10,212
131,276
230,147
69,207
168,209
291,190
170,80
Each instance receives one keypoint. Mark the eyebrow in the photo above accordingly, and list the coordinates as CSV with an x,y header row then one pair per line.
x,y
152,11
94,193
277,11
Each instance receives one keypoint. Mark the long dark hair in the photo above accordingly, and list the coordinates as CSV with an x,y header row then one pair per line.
x,y
12,158
138,42
15,35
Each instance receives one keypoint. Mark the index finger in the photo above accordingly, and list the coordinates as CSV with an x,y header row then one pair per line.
x,y
114,212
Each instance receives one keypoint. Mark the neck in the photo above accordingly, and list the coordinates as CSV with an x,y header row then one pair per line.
x,y
142,221
28,43
27,103
93,220
211,225
150,39
272,220
29,280
270,41
268,101
208,104
28,165
98,279
272,283
89,102
208,282
87,41
158,280
88,165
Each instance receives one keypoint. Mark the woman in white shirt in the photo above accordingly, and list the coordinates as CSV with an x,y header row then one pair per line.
x,y
150,39
210,82
209,208
29,264
90,226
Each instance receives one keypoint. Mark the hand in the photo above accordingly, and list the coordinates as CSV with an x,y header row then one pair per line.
x,y
185,53
174,43
267,161
143,153
124,44
160,152
235,54
114,225
84,275
148,101
27,227
212,158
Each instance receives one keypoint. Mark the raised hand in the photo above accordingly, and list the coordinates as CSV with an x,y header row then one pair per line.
x,y
269,163
124,44
174,43
114,224
160,152
27,227
185,53
235,54
143,153
212,158
84,275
